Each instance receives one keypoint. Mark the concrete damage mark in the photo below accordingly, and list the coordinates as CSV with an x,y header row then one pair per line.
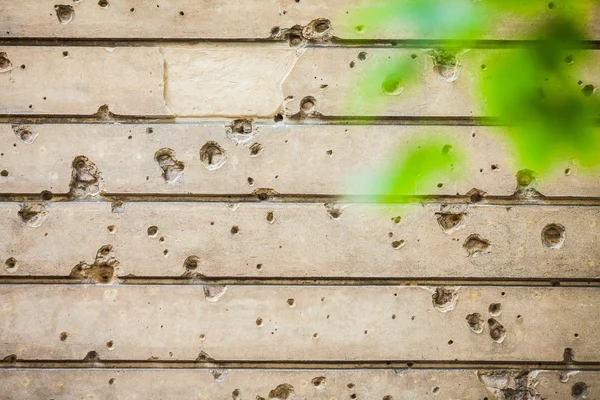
x,y
101,271
511,385
86,179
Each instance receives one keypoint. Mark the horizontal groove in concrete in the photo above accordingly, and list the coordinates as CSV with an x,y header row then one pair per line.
x,y
309,281
11,363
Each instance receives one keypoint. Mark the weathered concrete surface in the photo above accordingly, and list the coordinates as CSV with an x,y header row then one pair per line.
x,y
263,323
305,240
224,19
286,158
175,385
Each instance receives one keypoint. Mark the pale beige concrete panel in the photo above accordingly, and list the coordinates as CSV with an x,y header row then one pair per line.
x,y
79,80
304,240
217,19
344,85
202,385
322,323
227,80
199,81
297,159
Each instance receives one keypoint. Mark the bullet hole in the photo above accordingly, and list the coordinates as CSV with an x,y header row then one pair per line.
x,y
165,252
219,375
65,14
475,322
111,381
181,13
319,382
256,149
270,217
103,3
580,390
259,321
483,67
291,302
118,206
440,185
398,244
152,231
111,228
4,173
569,355
104,113
567,171
236,394
259,266
202,336
451,222
149,131
132,9
265,194
334,211
511,385
285,391
86,179
362,56
494,167
551,5
213,293
101,271
352,64
191,264
388,397
203,357
396,220
308,106
63,336
212,156
497,331
46,195
475,245
475,195
329,152
241,131
495,309
91,356
444,299
315,335
450,342
569,59
359,28
588,90
5,64
25,133
172,169
553,236
11,265
446,64
235,230
526,178
65,54
392,85
110,345
250,181
393,316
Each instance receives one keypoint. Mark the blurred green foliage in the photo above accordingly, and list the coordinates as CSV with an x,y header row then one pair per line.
x,y
535,88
